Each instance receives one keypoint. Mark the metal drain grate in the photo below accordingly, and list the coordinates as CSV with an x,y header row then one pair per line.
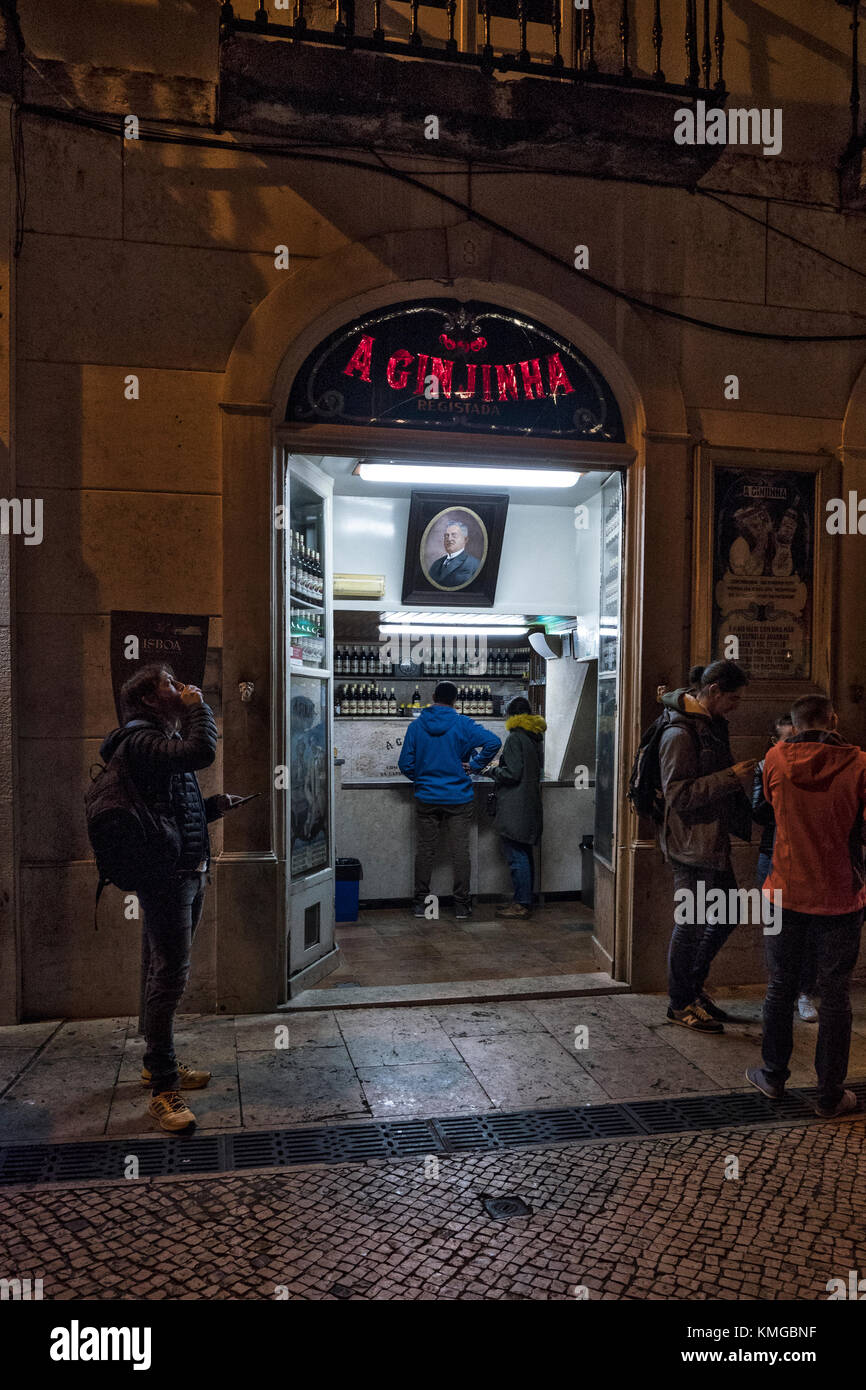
x,y
394,1139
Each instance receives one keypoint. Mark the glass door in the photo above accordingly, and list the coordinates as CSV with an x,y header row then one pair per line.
x,y
608,668
309,735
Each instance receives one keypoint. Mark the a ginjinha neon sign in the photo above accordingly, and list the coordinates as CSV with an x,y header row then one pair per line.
x,y
484,381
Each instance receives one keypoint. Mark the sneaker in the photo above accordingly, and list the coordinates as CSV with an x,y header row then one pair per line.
x,y
694,1016
514,910
806,1009
172,1111
710,1006
190,1080
759,1079
846,1106
462,912
418,910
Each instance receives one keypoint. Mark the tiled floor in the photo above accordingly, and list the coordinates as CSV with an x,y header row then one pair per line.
x,y
389,947
80,1080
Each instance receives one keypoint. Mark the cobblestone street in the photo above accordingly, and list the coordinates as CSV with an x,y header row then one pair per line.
x,y
648,1219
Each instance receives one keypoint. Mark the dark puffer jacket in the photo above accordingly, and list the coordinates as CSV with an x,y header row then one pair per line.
x,y
164,767
762,811
704,800
518,780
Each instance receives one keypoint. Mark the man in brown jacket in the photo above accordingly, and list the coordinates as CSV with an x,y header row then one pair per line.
x,y
705,798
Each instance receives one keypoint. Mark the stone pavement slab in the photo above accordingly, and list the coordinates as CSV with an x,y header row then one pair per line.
x,y
529,1071
80,1080
423,1088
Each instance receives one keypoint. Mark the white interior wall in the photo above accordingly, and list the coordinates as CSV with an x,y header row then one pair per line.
x,y
546,567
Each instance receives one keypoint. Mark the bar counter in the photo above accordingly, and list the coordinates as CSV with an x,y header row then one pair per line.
x,y
375,822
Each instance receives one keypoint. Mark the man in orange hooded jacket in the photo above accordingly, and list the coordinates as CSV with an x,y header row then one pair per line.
x,y
816,784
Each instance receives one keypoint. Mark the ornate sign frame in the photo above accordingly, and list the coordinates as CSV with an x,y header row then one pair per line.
x,y
755,495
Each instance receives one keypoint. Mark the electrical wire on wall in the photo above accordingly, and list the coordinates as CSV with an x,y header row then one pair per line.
x,y
114,125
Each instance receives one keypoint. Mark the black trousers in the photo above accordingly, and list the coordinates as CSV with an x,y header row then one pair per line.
x,y
836,943
172,909
694,944
430,816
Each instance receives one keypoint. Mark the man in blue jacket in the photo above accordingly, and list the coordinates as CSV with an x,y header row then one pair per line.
x,y
440,749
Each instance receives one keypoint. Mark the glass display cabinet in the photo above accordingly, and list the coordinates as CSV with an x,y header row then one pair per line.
x,y
307,732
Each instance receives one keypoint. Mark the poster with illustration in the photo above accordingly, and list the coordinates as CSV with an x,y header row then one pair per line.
x,y
763,563
309,772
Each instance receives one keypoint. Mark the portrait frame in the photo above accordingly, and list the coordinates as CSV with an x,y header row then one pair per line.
x,y
483,514
779,482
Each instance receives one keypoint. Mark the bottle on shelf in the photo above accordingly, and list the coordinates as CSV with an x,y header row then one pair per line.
x,y
368,700
416,701
338,702
320,578
392,703
488,700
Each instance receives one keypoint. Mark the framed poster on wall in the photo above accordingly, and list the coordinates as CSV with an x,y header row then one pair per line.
x,y
761,563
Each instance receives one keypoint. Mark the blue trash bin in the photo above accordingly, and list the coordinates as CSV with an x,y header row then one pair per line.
x,y
347,889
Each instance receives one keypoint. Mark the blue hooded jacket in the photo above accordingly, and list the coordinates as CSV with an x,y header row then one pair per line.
x,y
436,746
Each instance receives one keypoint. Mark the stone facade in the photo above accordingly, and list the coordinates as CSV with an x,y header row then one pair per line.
x,y
157,259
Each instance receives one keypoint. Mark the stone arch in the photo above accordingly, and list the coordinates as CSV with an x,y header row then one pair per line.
x,y
293,318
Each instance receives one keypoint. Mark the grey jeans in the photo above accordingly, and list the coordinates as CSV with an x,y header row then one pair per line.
x,y
172,909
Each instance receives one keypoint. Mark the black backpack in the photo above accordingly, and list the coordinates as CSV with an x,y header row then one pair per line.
x,y
131,840
645,782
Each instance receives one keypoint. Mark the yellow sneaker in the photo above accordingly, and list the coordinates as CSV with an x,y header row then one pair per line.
x,y
190,1080
171,1110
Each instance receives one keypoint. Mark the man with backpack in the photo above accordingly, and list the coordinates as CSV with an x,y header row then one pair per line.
x,y
168,735
702,798
816,785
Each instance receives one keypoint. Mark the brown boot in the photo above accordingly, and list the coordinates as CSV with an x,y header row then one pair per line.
x,y
514,910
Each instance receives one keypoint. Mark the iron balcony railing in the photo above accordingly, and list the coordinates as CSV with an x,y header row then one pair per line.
x,y
592,44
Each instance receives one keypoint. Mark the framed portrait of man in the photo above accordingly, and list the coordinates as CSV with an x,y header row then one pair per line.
x,y
453,545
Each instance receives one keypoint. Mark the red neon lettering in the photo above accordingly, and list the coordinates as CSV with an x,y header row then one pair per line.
x,y
442,370
397,380
557,375
485,372
423,359
361,359
469,392
531,373
507,380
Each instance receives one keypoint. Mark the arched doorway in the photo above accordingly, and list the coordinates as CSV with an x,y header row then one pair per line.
x,y
464,377
258,384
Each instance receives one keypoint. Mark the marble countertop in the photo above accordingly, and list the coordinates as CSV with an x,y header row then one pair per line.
x,y
484,782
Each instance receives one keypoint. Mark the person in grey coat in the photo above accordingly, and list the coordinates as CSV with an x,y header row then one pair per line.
x,y
705,801
518,800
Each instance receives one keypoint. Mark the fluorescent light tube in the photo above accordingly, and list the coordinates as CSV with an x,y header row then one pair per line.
x,y
386,630
466,477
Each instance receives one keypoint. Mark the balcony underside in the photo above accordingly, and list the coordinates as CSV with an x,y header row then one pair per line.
x,y
315,93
